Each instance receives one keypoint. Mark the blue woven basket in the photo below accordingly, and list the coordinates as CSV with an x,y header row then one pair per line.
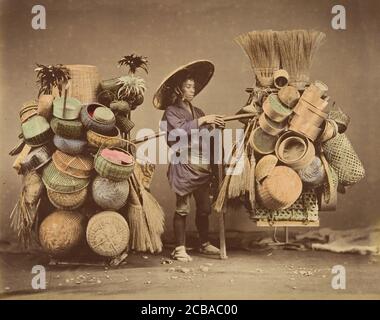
x,y
70,146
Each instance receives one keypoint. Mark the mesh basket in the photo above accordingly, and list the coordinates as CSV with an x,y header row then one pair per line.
x,y
304,209
108,234
108,194
343,159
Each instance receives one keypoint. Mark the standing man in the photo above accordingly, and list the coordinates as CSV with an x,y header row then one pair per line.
x,y
192,176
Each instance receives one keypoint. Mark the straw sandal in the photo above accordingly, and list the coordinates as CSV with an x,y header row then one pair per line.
x,y
208,248
180,254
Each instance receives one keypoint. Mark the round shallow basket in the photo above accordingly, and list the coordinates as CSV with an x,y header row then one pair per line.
x,y
98,140
67,201
70,129
124,124
314,174
36,131
108,194
262,142
289,96
280,189
271,127
265,166
104,124
28,109
36,159
343,159
305,128
114,163
274,109
62,231
108,234
79,166
69,146
294,150
60,182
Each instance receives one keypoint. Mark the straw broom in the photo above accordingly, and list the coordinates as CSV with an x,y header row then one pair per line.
x,y
262,51
297,49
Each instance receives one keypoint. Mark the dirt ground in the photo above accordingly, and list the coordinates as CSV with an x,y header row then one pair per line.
x,y
273,273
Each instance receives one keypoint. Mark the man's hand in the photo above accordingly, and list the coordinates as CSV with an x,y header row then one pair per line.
x,y
215,119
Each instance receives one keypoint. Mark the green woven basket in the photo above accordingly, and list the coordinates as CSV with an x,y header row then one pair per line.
x,y
70,129
113,171
61,182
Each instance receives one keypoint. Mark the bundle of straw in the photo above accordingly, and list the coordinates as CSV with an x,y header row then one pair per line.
x,y
261,49
297,49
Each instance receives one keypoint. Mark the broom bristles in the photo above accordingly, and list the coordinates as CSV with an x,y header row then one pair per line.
x,y
297,49
261,48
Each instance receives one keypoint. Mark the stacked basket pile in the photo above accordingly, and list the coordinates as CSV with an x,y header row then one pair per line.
x,y
75,151
302,156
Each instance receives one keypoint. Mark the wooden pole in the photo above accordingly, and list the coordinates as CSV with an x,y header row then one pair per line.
x,y
222,229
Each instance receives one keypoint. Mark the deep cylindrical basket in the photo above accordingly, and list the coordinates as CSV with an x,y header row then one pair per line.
x,y
79,166
280,78
343,159
108,194
308,129
112,170
70,129
108,234
67,201
69,146
271,127
61,232
60,182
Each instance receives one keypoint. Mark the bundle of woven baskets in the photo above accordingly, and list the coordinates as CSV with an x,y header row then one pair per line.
x,y
64,140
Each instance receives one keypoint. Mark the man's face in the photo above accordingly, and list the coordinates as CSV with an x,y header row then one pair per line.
x,y
188,89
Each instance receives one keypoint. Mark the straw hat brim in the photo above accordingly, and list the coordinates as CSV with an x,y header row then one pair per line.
x,y
201,71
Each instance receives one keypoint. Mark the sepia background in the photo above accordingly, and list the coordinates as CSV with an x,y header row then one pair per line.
x,y
171,33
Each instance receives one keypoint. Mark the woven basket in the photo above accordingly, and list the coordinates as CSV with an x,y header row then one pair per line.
x,y
45,105
60,182
28,109
124,124
69,146
280,189
330,130
265,166
309,113
343,159
289,96
84,84
90,123
70,129
67,201
274,109
110,85
262,142
314,174
97,140
280,78
36,131
111,170
70,111
270,127
79,166
108,234
36,159
108,194
265,76
300,125
62,231
294,150
328,195
305,209
341,119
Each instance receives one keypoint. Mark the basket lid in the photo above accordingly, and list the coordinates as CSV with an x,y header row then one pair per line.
x,y
108,233
72,110
78,166
104,115
265,166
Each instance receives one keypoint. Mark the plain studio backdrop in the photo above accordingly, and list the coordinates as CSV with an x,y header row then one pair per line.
x,y
172,33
